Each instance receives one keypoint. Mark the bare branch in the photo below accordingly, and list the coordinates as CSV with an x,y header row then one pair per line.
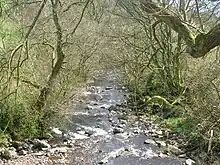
x,y
81,16
198,14
198,46
35,19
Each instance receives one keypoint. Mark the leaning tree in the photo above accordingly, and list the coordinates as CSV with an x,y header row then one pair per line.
x,y
198,45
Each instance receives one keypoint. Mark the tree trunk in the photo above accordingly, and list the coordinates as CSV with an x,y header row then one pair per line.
x,y
198,46
58,65
44,93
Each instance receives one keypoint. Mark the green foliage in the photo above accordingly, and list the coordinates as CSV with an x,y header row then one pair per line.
x,y
185,127
181,125
9,31
163,108
25,69
18,121
3,138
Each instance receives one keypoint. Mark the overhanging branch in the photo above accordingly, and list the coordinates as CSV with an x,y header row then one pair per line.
x,y
198,46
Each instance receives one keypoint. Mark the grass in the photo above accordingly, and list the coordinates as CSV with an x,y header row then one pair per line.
x,y
182,125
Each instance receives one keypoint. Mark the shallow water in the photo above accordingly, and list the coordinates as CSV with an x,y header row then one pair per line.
x,y
93,125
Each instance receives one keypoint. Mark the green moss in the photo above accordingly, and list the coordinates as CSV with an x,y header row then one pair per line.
x,y
183,126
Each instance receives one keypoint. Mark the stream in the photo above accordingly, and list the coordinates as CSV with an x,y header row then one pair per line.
x,y
106,132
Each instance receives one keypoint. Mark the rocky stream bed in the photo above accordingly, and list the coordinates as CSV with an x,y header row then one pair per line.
x,y
102,131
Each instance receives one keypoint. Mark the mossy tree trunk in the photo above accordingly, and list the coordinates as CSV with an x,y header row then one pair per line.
x,y
198,46
58,50
60,58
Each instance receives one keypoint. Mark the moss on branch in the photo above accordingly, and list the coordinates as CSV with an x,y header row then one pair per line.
x,y
198,46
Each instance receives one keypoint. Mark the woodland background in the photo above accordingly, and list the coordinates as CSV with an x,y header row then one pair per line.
x,y
166,51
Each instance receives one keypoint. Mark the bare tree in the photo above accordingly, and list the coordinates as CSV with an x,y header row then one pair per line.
x,y
58,50
199,45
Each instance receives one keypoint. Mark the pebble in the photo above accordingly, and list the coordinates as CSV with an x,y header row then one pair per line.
x,y
161,143
159,132
120,125
78,129
162,155
56,133
110,119
61,150
8,153
190,162
89,132
174,150
117,130
155,135
182,155
39,144
81,132
89,107
103,161
17,144
108,88
123,121
150,141
136,131
22,152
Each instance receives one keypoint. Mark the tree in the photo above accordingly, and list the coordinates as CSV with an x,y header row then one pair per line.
x,y
199,45
58,52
